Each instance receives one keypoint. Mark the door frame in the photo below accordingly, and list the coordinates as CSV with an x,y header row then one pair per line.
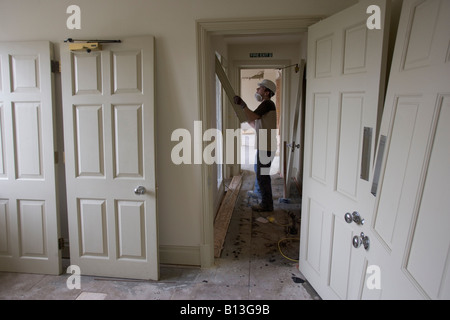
x,y
238,65
205,67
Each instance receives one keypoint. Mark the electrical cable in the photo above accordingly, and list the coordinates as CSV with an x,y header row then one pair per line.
x,y
272,220
281,252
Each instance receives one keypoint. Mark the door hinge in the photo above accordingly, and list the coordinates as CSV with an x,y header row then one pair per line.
x,y
56,66
60,243
56,157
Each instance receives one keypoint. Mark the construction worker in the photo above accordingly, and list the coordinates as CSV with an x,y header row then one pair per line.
x,y
264,121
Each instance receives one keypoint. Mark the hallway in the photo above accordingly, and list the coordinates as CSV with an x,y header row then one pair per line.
x,y
251,266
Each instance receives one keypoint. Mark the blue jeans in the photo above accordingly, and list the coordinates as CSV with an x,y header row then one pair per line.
x,y
256,189
263,163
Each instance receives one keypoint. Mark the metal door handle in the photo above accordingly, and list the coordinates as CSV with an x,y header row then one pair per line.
x,y
140,190
293,146
354,217
361,240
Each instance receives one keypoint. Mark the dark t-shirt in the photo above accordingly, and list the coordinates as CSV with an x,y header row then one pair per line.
x,y
265,107
266,138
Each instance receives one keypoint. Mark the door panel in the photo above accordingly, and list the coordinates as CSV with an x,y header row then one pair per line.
x,y
341,256
355,49
3,172
24,74
413,217
109,139
319,160
32,228
89,152
87,76
128,149
92,227
27,140
127,70
345,81
404,123
5,234
430,267
421,32
131,234
315,236
350,133
28,195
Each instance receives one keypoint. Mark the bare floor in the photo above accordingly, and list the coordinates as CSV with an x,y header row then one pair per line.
x,y
254,265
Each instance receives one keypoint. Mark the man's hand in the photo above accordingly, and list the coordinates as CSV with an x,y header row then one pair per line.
x,y
238,100
251,116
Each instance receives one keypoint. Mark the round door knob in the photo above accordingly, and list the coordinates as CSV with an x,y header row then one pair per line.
x,y
361,240
365,241
356,242
357,218
348,217
140,190
354,217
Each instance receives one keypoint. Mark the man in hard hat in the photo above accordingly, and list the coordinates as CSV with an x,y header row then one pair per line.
x,y
264,121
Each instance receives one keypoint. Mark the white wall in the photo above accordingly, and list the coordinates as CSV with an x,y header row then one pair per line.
x,y
173,23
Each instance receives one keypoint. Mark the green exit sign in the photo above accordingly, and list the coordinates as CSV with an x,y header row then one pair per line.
x,y
261,55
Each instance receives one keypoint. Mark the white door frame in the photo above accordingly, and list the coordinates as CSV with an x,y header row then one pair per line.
x,y
205,59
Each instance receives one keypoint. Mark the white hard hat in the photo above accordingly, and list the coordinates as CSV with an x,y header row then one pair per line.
x,y
269,85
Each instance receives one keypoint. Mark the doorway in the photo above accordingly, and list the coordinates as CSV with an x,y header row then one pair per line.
x,y
206,29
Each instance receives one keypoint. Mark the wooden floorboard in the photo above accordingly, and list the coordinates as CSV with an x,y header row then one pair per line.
x,y
224,214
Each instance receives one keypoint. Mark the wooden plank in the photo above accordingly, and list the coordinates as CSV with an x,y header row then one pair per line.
x,y
223,217
229,91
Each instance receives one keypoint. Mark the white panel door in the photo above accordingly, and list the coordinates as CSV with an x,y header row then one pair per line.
x,y
413,207
110,152
345,82
29,221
